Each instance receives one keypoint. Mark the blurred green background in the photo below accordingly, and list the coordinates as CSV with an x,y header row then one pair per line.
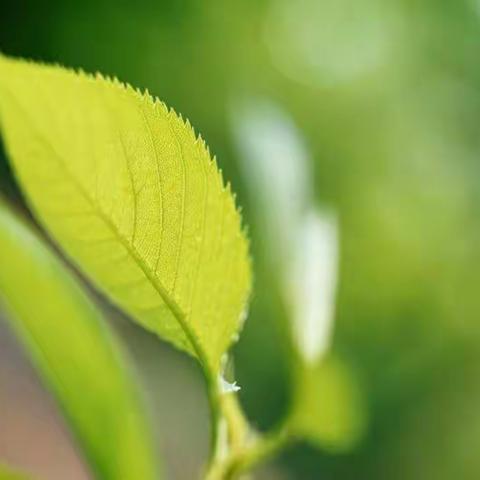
x,y
386,97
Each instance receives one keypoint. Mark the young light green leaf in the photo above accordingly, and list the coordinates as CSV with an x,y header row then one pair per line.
x,y
7,473
131,194
75,353
313,283
328,408
302,246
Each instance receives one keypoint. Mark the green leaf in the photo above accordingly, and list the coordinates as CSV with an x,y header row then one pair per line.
x,y
134,198
301,243
328,407
75,353
7,474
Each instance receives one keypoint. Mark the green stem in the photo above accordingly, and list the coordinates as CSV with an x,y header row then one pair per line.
x,y
235,446
214,394
256,451
260,451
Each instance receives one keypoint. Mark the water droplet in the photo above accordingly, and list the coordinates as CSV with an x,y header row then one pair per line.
x,y
227,387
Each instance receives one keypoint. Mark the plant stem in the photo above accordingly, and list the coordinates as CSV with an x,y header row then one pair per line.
x,y
255,451
214,394
235,446
262,449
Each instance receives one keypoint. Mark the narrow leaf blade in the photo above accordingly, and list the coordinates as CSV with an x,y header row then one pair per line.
x,y
75,354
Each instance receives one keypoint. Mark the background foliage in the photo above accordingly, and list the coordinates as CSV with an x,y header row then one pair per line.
x,y
387,99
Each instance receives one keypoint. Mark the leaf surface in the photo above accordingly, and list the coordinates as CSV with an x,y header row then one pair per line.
x,y
328,408
8,474
75,353
134,198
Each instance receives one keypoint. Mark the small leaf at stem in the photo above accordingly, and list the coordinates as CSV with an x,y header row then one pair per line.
x,y
328,408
